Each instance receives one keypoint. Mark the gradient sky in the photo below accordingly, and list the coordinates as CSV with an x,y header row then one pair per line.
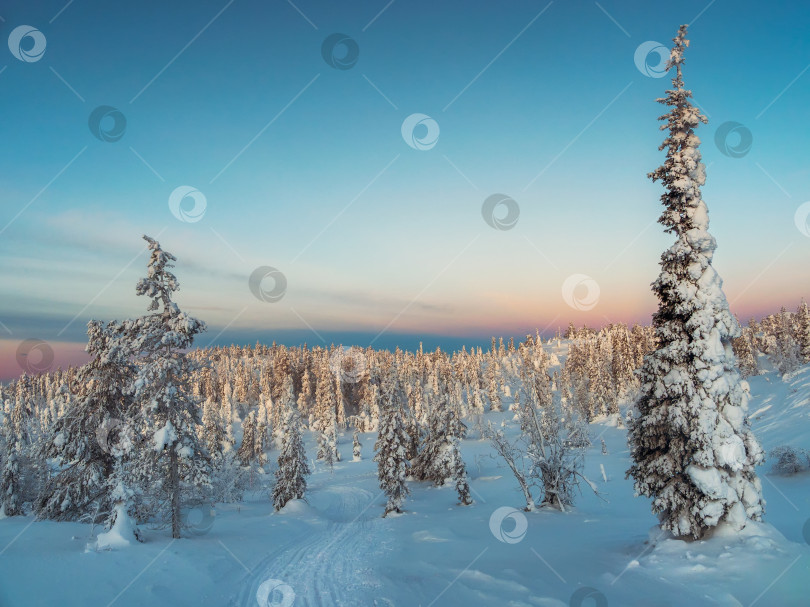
x,y
304,167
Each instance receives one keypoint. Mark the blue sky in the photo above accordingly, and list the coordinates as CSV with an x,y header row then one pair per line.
x,y
304,168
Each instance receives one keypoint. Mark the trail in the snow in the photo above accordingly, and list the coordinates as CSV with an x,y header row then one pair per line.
x,y
333,566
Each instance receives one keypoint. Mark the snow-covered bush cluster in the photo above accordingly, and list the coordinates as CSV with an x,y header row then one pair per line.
x,y
789,460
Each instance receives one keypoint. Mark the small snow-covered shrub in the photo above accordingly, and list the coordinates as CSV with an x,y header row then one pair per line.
x,y
789,460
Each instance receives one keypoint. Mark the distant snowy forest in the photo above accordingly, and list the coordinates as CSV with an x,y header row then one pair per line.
x,y
100,443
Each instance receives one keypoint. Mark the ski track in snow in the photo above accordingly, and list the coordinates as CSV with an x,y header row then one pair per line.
x,y
333,566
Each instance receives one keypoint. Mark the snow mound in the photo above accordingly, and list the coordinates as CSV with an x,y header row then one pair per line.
x,y
295,507
729,554
118,536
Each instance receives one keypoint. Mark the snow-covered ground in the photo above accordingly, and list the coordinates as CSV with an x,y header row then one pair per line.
x,y
337,550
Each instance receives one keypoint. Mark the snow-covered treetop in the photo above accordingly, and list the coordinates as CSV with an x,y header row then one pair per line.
x,y
168,327
159,282
682,173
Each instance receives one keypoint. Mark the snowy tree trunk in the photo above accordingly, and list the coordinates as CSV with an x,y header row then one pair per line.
x,y
174,492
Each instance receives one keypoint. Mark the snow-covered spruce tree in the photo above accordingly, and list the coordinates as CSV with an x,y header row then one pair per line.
x,y
260,436
247,450
357,447
291,482
431,462
89,442
693,451
171,459
803,331
11,476
439,459
786,351
392,464
213,434
744,351
331,454
460,475
491,378
228,477
456,430
286,402
325,422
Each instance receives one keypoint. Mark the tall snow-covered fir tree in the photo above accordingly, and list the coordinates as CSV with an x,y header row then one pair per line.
x,y
213,434
247,450
89,442
803,331
392,463
171,456
291,482
357,447
786,351
693,451
15,442
744,351
439,460
325,420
